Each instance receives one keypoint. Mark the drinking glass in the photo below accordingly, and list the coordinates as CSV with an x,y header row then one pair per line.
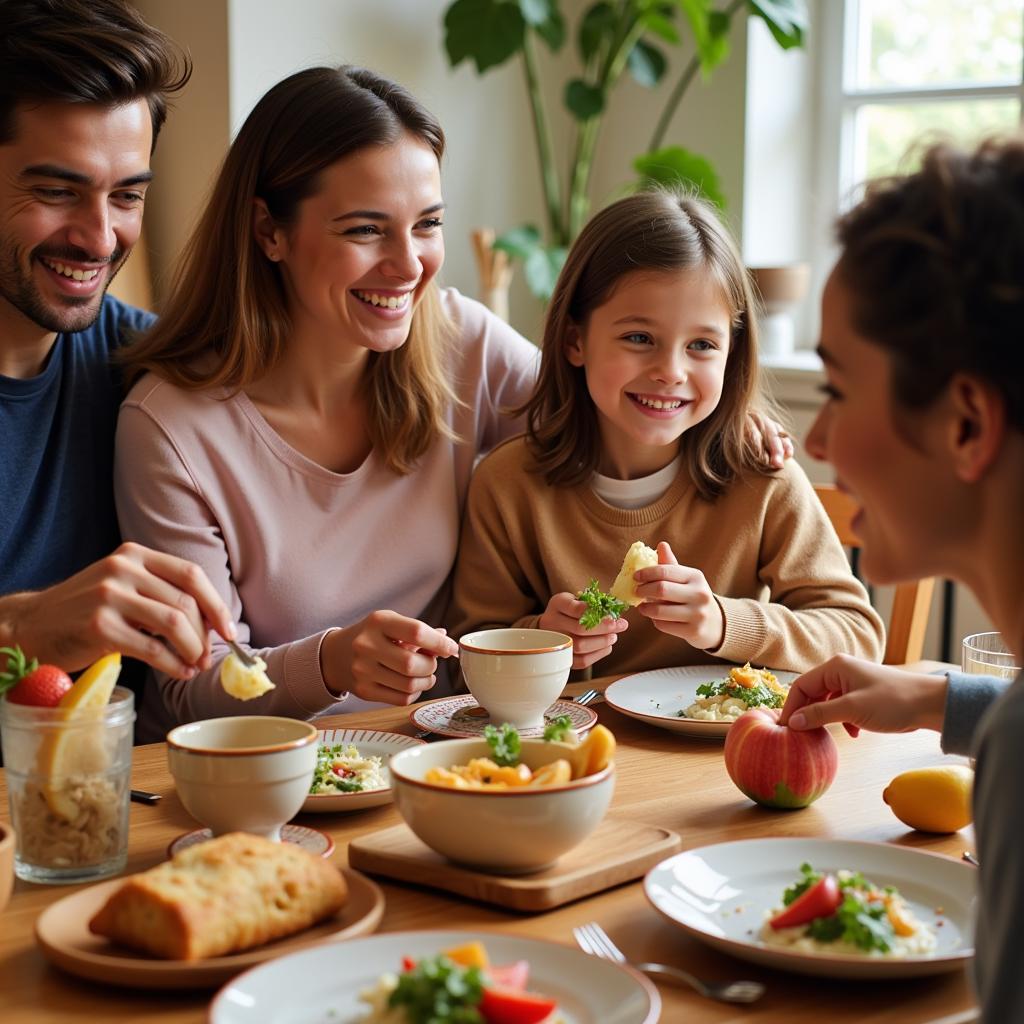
x,y
68,781
985,654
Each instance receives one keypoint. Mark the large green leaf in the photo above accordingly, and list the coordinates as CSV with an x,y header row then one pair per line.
x,y
519,242
786,19
710,33
545,18
659,24
646,63
674,166
597,27
541,270
536,12
583,100
552,31
488,32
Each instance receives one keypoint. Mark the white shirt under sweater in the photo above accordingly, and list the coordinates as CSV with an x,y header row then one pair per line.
x,y
292,548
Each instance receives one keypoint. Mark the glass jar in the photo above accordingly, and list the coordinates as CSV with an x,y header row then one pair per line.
x,y
985,654
68,781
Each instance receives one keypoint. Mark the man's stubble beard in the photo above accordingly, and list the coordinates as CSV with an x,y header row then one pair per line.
x,y
19,290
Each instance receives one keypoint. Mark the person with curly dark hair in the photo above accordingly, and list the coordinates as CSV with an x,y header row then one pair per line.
x,y
83,95
924,424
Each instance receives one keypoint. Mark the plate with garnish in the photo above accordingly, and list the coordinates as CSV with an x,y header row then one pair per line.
x,y
463,717
698,700
352,769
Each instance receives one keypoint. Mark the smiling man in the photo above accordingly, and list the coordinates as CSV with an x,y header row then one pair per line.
x,y
82,98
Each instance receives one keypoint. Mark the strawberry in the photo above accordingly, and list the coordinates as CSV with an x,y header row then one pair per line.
x,y
28,682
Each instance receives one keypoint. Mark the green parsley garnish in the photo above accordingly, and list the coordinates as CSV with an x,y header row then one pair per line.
x,y
752,696
504,743
599,605
559,729
438,991
809,877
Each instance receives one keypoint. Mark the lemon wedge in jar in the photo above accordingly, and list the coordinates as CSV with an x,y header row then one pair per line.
x,y
244,682
75,749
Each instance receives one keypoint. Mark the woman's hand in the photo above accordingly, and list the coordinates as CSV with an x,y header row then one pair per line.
x,y
386,657
863,695
588,645
679,601
764,433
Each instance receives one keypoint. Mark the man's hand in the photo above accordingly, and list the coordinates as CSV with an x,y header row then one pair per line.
x,y
387,657
143,603
678,600
863,695
563,615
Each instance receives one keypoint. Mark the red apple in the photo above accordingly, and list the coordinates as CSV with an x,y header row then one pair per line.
x,y
777,766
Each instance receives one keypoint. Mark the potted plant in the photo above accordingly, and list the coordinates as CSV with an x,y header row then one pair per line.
x,y
613,37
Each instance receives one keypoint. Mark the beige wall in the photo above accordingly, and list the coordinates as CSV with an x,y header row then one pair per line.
x,y
241,47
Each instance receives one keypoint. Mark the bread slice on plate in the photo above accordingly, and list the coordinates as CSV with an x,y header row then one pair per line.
x,y
222,896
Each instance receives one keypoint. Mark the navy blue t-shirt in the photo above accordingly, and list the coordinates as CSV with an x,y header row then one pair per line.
x,y
57,455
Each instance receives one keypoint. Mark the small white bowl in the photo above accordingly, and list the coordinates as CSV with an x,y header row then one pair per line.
x,y
516,674
247,773
512,831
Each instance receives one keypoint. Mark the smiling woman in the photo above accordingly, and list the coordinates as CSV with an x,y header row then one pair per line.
x,y
307,412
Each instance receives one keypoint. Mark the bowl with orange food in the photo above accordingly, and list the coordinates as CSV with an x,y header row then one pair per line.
x,y
503,804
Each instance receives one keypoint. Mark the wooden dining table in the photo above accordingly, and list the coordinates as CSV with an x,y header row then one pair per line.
x,y
663,778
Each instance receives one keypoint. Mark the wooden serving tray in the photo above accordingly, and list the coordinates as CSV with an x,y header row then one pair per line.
x,y
617,851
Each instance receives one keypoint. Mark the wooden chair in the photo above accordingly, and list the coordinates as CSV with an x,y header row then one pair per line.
x,y
911,601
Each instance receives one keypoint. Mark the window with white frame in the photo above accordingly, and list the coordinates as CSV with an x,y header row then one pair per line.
x,y
914,71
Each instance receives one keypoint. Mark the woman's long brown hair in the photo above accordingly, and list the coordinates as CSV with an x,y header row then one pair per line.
x,y
650,231
226,322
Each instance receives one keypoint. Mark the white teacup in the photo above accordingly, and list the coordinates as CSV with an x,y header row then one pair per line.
x,y
249,773
516,674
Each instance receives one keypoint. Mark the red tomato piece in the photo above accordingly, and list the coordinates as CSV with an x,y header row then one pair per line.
x,y
506,1006
408,964
821,900
513,976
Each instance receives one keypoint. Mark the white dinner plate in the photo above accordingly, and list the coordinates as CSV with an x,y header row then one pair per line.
x,y
589,990
367,741
657,697
720,893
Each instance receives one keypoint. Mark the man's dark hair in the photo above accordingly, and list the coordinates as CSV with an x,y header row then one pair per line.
x,y
84,51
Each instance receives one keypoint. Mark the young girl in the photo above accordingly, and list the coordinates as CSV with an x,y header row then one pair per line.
x,y
635,431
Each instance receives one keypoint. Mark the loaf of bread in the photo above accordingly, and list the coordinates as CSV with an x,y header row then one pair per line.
x,y
222,896
639,556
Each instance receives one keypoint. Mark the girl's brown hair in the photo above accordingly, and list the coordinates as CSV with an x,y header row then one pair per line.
x,y
228,300
934,264
649,231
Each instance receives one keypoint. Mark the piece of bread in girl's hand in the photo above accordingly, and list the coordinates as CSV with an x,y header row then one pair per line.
x,y
639,556
222,896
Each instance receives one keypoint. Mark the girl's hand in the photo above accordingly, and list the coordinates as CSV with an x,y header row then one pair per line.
x,y
588,645
679,601
770,436
386,657
863,695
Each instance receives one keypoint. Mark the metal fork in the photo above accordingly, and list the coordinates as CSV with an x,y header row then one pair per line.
x,y
593,939
247,659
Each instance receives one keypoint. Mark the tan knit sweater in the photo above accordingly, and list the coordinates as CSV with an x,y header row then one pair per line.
x,y
765,547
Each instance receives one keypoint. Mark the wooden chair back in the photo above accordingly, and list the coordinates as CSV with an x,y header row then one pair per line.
x,y
911,601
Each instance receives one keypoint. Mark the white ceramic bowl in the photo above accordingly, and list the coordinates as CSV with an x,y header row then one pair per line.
x,y
511,831
516,674
249,773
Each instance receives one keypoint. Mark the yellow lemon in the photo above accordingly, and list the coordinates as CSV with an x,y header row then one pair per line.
x,y
934,799
65,751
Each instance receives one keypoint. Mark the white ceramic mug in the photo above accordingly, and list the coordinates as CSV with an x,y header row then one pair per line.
x,y
248,773
516,674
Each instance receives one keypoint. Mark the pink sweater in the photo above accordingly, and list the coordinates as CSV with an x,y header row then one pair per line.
x,y
294,549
